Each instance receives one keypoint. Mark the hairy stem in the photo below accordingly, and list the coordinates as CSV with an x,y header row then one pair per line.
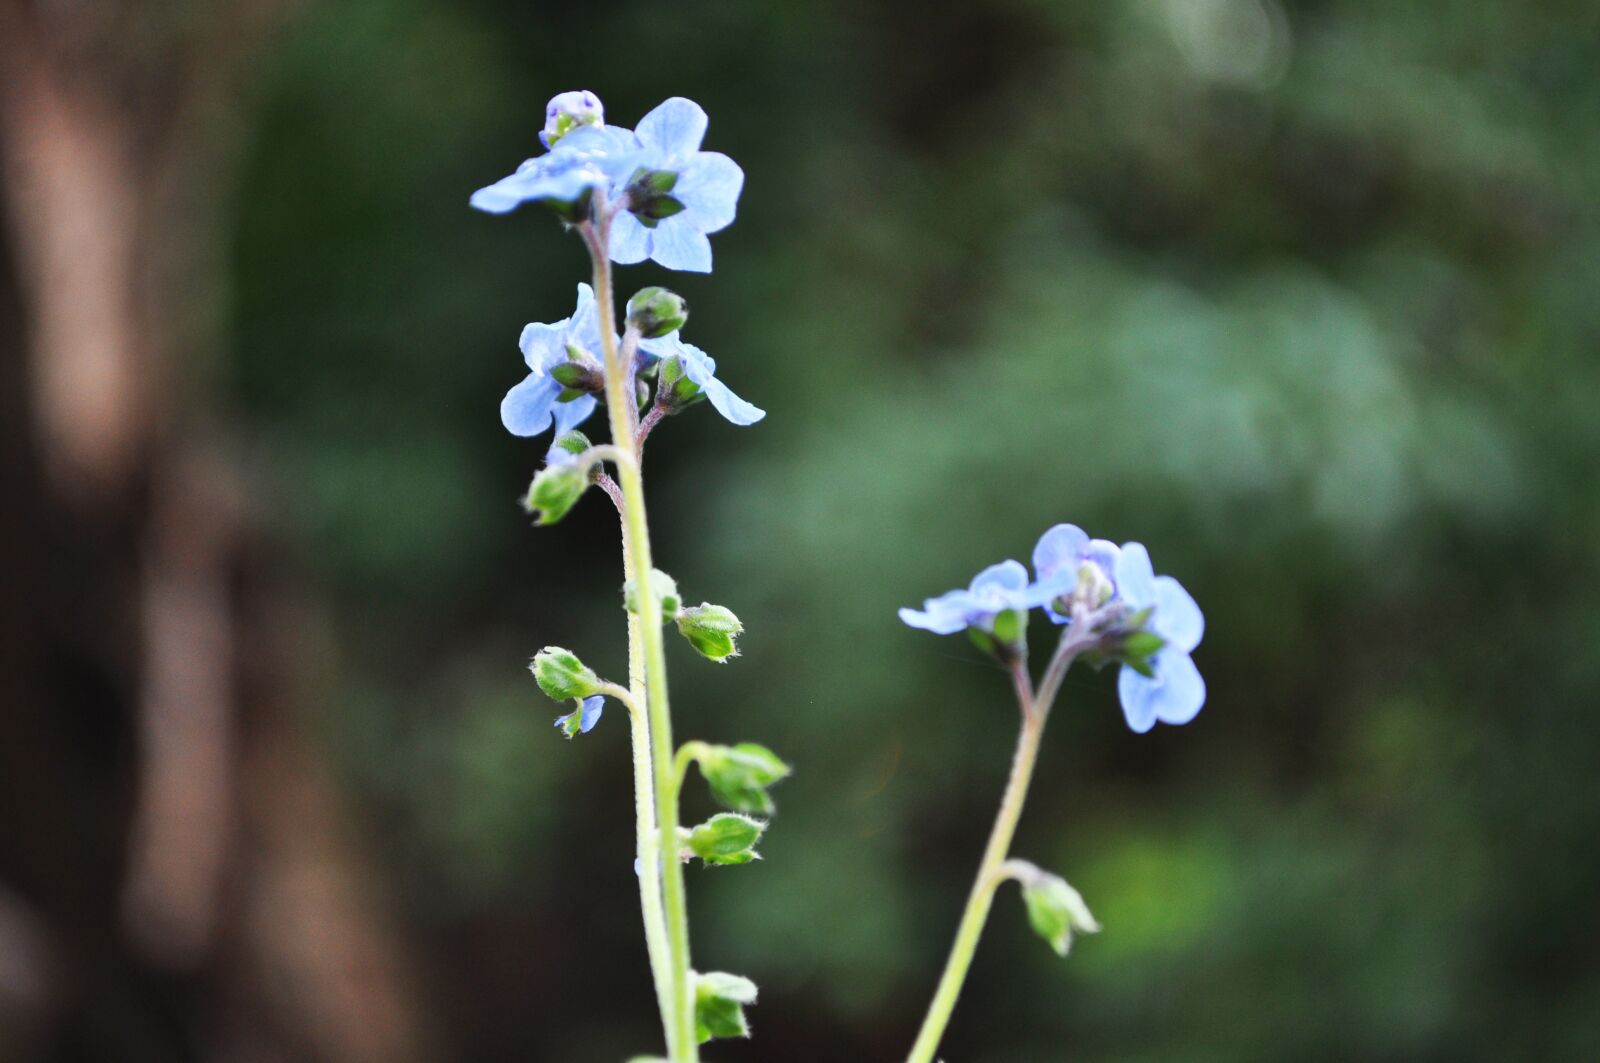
x,y
621,406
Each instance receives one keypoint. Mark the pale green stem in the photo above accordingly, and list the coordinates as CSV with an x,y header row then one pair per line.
x,y
621,405
992,870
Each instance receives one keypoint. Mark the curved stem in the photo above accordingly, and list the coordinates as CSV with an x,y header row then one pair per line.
x,y
989,877
622,408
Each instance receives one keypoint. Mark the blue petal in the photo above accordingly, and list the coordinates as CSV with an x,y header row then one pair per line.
x,y
544,345
944,615
1007,575
525,411
583,327
1061,547
630,240
1139,695
591,711
1183,691
698,367
709,187
504,195
677,244
1173,695
569,415
1047,589
1135,578
1177,617
676,127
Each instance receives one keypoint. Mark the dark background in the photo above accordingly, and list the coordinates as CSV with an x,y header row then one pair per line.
x,y
1302,295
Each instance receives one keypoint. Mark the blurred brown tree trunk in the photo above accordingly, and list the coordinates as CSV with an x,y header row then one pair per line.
x,y
178,866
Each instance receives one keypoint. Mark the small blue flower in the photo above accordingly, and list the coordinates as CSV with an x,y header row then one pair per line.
x,y
590,156
1175,692
707,188
1067,548
588,716
531,407
995,590
701,368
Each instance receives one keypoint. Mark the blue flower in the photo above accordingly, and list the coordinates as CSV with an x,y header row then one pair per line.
x,y
699,367
1174,692
1067,548
588,157
531,407
995,590
587,716
703,196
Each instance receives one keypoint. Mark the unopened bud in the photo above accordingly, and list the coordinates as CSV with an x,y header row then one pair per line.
x,y
569,110
711,629
656,312
562,676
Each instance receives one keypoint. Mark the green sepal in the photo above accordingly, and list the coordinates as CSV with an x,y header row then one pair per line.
x,y
675,391
574,442
712,630
1010,626
719,1003
562,676
739,775
1138,647
665,589
726,838
554,491
582,377
1056,910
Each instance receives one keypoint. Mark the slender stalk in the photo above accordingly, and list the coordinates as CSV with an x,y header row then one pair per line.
x,y
646,840
982,896
622,409
994,868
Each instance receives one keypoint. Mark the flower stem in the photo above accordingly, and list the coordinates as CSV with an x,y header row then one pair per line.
x,y
622,408
994,868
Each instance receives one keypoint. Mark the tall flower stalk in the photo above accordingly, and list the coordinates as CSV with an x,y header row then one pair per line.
x,y
632,195
1113,609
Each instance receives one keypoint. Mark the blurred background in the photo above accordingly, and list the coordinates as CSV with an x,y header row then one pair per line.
x,y
1301,294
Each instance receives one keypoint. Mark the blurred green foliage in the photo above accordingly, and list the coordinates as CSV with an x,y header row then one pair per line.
x,y
1299,294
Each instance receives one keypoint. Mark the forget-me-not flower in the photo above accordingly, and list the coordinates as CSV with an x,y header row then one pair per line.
x,y
587,716
701,368
532,406
703,196
995,590
587,157
1174,692
1068,548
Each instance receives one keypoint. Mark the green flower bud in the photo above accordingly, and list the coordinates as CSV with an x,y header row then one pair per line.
x,y
562,676
1055,909
674,390
719,1003
711,629
726,838
739,775
656,312
663,586
554,491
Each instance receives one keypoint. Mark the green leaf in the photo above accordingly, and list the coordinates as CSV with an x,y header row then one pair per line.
x,y
719,1003
727,838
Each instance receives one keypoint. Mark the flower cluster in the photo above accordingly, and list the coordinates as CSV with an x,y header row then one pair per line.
x,y
673,194
1121,609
